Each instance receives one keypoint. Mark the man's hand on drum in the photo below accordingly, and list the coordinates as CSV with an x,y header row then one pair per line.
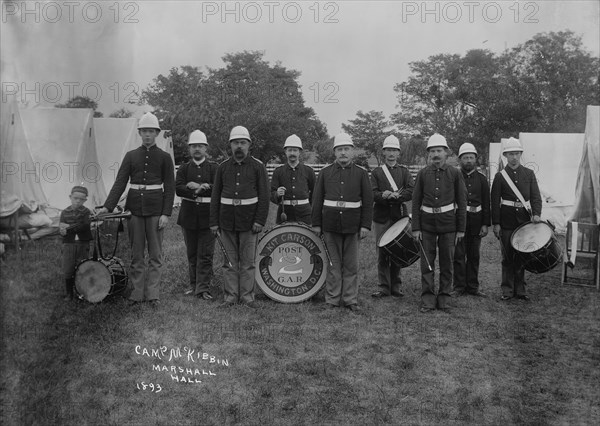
x,y
215,230
162,221
536,219
317,230
417,235
281,191
62,228
459,237
256,228
483,231
363,233
497,231
101,211
386,194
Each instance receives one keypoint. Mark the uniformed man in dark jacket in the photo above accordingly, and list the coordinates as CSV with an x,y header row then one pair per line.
x,y
292,185
193,183
151,174
508,213
343,211
466,253
438,219
238,211
392,187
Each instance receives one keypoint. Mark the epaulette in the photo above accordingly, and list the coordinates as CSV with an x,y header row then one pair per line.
x,y
256,159
482,174
364,168
403,165
225,160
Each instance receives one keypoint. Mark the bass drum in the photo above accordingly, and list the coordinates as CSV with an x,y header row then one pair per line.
x,y
97,279
537,247
398,243
291,263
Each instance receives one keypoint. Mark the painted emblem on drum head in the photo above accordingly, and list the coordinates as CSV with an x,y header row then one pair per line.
x,y
291,264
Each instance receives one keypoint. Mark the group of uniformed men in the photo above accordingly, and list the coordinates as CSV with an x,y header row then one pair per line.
x,y
229,203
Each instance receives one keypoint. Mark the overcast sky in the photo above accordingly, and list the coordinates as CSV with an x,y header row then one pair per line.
x,y
350,53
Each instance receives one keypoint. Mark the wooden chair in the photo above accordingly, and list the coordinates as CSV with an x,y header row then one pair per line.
x,y
586,247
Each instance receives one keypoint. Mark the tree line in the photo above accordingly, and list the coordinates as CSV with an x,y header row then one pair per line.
x,y
542,85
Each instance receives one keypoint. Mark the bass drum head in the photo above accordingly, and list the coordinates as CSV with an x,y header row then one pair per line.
x,y
93,280
531,237
291,263
393,231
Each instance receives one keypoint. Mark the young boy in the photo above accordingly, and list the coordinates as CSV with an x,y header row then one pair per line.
x,y
75,229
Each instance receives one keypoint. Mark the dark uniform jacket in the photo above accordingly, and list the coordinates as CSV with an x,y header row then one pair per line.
x,y
145,166
194,215
385,210
437,188
299,183
478,194
244,180
511,217
337,183
80,219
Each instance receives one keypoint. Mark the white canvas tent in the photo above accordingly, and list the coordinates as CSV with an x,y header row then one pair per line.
x,y
21,178
116,136
63,145
587,191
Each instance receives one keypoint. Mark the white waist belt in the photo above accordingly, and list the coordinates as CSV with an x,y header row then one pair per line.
x,y
295,202
239,201
197,199
442,209
145,187
473,209
343,204
515,203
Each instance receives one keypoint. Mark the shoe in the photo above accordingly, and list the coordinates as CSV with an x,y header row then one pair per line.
x,y
132,302
379,294
226,305
524,297
425,310
330,306
154,303
354,308
445,310
189,292
457,293
251,305
478,293
205,295
504,298
398,295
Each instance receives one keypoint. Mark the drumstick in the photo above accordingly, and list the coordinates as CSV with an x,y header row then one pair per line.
x,y
218,238
326,250
424,255
283,215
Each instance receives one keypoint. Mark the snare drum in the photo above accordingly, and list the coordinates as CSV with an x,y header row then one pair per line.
x,y
537,247
291,263
97,279
398,243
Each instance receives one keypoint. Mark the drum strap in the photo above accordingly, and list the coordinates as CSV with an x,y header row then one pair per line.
x,y
388,175
514,189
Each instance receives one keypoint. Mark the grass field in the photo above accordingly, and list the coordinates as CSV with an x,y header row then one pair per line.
x,y
488,362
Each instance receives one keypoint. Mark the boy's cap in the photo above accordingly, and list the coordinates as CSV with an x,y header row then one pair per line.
x,y
81,189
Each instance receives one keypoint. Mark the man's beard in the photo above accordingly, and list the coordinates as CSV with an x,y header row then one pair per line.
x,y
239,154
468,167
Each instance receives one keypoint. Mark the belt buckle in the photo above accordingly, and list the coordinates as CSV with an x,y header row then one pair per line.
x,y
518,204
341,204
437,209
294,202
142,187
237,202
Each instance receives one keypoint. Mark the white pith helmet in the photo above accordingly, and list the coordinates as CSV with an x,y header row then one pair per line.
x,y
342,139
197,136
148,121
292,141
391,142
239,132
436,140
